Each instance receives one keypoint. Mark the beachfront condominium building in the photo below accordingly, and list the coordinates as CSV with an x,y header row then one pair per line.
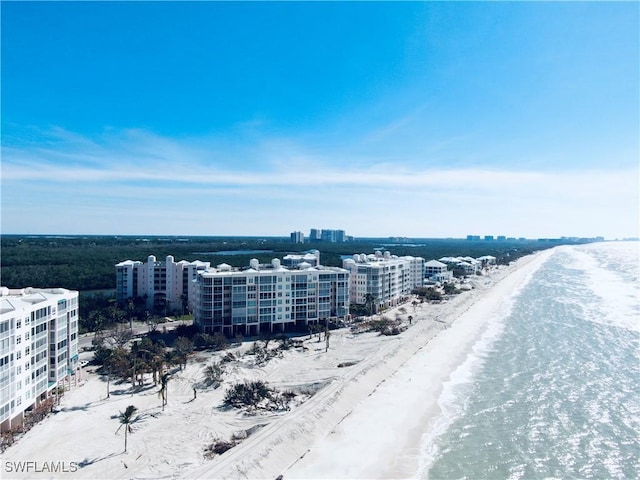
x,y
437,271
463,265
270,298
383,279
166,285
38,347
312,258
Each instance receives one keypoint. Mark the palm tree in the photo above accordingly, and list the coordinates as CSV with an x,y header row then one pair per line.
x,y
184,298
369,301
126,419
162,393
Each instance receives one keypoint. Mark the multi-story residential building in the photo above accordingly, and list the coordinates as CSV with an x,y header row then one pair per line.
x,y
297,237
315,235
437,271
329,236
384,279
268,298
332,236
312,258
463,265
38,347
166,285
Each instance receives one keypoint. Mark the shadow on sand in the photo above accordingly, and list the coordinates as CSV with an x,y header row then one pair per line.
x,y
86,462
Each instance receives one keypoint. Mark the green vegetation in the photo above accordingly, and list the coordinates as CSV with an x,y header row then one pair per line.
x,y
428,293
256,395
383,325
88,263
131,360
213,374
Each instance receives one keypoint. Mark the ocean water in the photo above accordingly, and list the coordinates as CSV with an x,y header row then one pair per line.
x,y
552,390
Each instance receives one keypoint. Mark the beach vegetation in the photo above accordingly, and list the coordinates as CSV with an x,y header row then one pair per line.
x,y
262,353
358,310
383,325
228,358
31,417
126,419
218,447
427,293
213,374
370,303
215,341
450,288
257,395
182,347
346,364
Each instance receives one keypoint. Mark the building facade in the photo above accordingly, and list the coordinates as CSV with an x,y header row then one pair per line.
x,y
38,347
297,237
328,236
312,258
333,236
383,279
437,271
463,265
167,285
269,298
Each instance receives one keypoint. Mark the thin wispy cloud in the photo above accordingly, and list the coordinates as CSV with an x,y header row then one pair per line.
x,y
148,162
431,123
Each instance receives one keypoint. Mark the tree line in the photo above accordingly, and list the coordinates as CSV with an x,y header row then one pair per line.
x,y
88,263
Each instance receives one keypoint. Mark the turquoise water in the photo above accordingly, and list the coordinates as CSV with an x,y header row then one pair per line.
x,y
554,392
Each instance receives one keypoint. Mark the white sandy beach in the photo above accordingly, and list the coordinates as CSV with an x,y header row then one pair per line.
x,y
365,421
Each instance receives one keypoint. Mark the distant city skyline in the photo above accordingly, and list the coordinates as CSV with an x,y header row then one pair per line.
x,y
424,120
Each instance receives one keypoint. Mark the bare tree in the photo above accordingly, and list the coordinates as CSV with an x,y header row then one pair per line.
x,y
326,337
162,393
118,336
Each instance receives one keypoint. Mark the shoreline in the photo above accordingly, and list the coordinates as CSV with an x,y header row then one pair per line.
x,y
304,442
411,393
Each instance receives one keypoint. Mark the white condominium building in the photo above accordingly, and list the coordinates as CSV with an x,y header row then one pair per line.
x,y
167,286
384,279
38,347
312,257
466,265
437,271
268,298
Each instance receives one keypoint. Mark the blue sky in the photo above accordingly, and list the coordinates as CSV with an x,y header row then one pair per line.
x,y
260,118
